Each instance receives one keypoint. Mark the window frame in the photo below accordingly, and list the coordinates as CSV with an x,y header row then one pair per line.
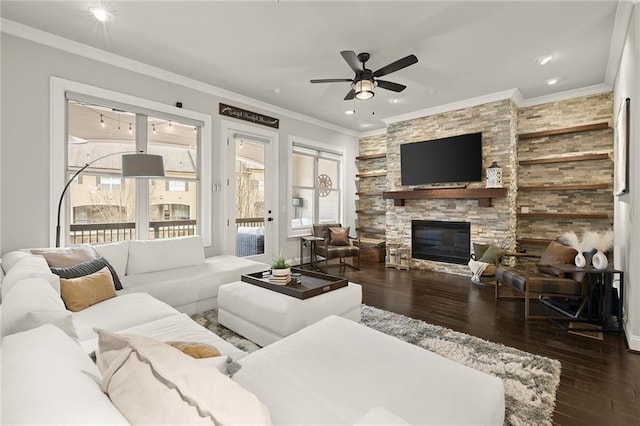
x,y
58,148
322,148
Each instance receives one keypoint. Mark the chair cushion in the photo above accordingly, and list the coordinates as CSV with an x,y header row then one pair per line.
x,y
539,282
333,252
322,230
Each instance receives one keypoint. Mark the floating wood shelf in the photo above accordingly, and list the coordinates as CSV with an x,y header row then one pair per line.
x,y
371,212
534,241
579,186
369,194
483,195
566,158
370,174
566,215
564,131
367,230
371,156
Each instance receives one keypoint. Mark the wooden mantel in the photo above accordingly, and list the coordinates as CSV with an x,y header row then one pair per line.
x,y
483,195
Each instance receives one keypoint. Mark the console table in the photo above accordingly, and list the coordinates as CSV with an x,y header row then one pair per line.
x,y
597,280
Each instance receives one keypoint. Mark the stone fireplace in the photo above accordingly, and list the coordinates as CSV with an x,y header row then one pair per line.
x,y
441,241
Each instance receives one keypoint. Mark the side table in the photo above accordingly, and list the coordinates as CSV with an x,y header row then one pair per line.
x,y
601,280
313,261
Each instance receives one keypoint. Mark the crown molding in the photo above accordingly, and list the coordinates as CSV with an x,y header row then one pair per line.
x,y
513,94
370,133
567,94
624,10
51,40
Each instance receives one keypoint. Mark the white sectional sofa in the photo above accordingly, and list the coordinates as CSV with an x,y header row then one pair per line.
x,y
333,372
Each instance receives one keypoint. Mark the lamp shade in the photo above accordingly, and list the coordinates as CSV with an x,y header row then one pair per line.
x,y
364,89
142,165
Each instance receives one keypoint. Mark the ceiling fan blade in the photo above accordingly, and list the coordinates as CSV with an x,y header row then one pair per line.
x,y
389,85
397,65
332,80
352,59
350,95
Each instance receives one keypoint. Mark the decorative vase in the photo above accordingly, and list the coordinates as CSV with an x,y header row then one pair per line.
x,y
580,260
281,272
600,260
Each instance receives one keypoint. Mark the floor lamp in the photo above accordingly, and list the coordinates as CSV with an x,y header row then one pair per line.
x,y
135,164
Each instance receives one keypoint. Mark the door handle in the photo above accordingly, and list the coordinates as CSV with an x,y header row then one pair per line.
x,y
270,219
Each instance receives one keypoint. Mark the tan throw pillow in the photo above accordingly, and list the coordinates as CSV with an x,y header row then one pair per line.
x,y
152,383
82,292
556,253
65,257
339,236
491,254
196,350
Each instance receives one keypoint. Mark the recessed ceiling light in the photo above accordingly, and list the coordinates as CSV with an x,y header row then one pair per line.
x,y
350,112
552,81
101,14
544,60
393,100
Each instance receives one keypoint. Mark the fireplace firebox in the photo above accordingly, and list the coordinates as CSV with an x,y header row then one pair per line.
x,y
448,242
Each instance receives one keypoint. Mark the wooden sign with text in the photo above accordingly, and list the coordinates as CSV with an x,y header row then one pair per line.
x,y
243,114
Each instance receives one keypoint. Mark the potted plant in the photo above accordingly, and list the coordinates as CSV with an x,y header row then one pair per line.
x,y
280,267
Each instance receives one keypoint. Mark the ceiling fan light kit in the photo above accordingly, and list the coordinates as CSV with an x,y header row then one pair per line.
x,y
365,80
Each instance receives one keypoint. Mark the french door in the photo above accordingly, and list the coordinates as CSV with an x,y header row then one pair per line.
x,y
251,192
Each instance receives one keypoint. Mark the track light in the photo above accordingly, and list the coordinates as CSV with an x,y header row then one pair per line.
x,y
130,129
153,128
102,121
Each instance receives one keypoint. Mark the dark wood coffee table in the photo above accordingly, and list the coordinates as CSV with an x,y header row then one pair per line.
x,y
312,283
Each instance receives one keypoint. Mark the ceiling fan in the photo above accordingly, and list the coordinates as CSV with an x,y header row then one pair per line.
x,y
365,80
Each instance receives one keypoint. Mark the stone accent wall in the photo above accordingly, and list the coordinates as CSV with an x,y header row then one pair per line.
x,y
496,224
373,185
558,115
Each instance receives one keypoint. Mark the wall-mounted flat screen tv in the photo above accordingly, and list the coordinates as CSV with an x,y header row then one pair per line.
x,y
446,160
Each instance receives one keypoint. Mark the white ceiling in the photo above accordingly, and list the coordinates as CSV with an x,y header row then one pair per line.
x,y
465,49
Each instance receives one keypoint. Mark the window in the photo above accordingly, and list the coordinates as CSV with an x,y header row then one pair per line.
x,y
316,187
111,208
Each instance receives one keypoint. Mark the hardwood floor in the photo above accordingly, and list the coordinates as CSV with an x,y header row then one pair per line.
x,y
600,381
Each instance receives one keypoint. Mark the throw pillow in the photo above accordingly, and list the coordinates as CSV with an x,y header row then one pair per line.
x,y
196,350
479,250
556,253
491,255
65,257
82,292
88,268
339,236
138,372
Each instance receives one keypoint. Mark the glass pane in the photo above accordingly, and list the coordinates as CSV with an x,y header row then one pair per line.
x,y
178,145
329,207
102,209
303,208
302,170
173,208
250,193
327,174
101,203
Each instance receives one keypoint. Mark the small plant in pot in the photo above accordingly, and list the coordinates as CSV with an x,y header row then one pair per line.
x,y
280,267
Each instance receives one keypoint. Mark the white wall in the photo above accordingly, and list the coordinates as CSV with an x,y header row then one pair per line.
x,y
627,206
24,166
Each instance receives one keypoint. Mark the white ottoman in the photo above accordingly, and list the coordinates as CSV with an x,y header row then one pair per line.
x,y
264,316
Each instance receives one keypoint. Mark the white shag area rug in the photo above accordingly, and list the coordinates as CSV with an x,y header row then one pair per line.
x,y
530,381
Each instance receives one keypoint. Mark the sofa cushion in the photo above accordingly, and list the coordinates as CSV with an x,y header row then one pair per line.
x,y
11,258
65,257
152,383
48,379
88,268
117,254
181,286
29,267
173,328
118,313
161,255
556,253
81,292
31,304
